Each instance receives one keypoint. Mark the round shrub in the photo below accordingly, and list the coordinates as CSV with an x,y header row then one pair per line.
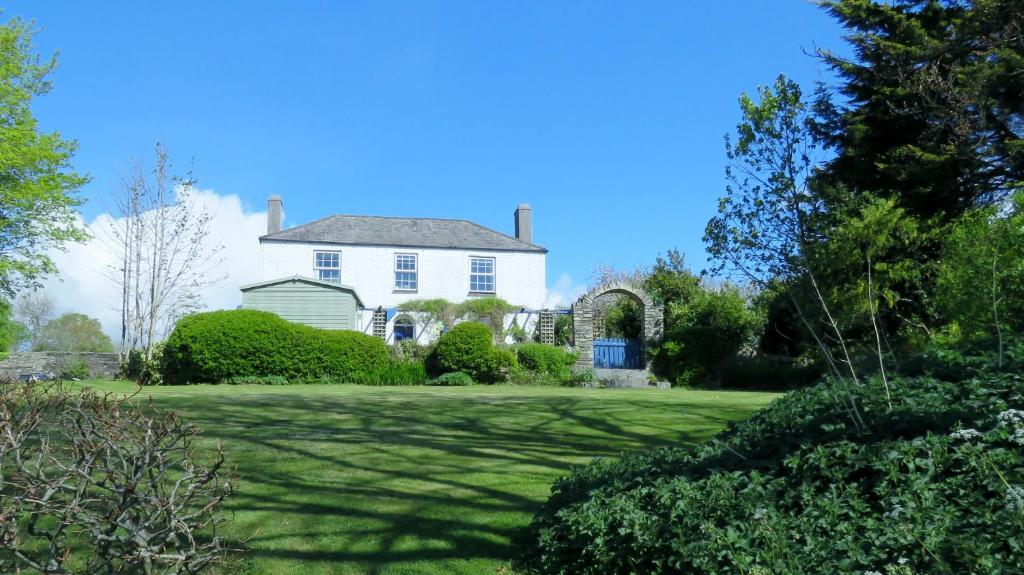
x,y
934,484
468,348
215,346
547,360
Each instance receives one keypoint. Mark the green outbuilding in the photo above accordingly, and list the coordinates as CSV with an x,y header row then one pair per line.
x,y
308,301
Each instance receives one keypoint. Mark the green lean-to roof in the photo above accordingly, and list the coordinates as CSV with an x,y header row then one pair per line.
x,y
403,232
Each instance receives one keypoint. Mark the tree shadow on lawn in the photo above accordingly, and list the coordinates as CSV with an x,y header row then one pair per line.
x,y
369,481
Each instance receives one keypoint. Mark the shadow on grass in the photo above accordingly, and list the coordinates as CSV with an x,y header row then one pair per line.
x,y
372,480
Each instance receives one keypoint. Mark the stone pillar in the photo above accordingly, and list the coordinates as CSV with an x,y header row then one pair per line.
x,y
583,332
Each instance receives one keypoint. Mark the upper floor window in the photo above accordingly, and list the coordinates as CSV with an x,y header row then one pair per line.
x,y
406,272
327,266
481,275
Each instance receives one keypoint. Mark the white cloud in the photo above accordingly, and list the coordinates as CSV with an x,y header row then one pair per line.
x,y
564,293
85,286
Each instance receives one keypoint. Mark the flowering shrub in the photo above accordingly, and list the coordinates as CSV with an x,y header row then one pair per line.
x,y
934,485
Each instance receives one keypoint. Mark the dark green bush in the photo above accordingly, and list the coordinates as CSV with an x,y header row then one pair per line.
x,y
214,346
766,374
800,489
468,348
545,359
455,378
133,368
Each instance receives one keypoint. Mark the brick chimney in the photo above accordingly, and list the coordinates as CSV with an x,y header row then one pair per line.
x,y
275,214
524,223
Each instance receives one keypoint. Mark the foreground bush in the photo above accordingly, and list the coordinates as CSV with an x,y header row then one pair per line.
x,y
933,485
90,485
545,359
215,346
468,347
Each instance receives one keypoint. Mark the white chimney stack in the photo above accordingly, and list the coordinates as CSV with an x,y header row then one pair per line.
x,y
524,223
275,214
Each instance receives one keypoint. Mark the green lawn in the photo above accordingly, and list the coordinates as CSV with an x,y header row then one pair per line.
x,y
352,479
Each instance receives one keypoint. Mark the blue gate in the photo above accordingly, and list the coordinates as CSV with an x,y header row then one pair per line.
x,y
618,354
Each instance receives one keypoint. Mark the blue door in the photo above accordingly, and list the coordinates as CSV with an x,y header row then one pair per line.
x,y
618,354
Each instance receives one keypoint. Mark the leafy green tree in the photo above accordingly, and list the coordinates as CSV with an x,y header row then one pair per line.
x,y
73,332
702,332
771,218
38,187
981,276
12,333
932,106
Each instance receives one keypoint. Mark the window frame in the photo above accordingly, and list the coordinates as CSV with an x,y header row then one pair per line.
x,y
407,321
493,275
318,268
415,272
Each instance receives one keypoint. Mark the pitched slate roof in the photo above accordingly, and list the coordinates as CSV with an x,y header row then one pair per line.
x,y
403,232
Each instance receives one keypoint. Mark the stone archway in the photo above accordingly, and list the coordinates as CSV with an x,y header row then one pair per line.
x,y
583,318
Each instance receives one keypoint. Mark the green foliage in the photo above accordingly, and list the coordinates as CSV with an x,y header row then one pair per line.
x,y
392,373
563,329
468,348
917,488
140,370
489,310
766,373
932,100
10,331
76,369
768,215
702,332
37,184
624,318
211,347
547,360
454,378
980,279
437,312
73,332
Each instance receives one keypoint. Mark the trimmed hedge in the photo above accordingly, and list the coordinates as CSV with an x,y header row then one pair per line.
x,y
933,485
216,346
546,360
468,347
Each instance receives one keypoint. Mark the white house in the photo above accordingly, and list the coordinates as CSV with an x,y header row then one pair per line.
x,y
385,261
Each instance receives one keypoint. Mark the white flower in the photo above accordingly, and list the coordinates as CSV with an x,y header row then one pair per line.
x,y
1018,436
1011,418
760,513
903,560
966,434
894,512
872,573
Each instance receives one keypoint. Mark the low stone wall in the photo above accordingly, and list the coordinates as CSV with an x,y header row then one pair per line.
x,y
101,365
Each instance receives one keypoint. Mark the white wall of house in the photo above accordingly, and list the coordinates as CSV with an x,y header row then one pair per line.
x,y
442,273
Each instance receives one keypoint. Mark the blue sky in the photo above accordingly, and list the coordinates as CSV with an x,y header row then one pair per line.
x,y
607,117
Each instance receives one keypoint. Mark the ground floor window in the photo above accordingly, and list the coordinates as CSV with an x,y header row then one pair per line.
x,y
404,328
